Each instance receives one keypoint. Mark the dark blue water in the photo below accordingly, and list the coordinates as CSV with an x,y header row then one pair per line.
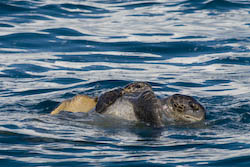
x,y
53,50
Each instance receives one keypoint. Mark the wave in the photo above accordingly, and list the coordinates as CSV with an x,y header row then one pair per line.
x,y
51,51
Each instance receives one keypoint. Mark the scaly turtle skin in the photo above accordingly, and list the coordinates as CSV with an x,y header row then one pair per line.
x,y
107,99
137,102
183,108
132,90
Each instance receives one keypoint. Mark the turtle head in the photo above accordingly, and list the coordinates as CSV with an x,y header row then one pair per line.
x,y
136,87
183,108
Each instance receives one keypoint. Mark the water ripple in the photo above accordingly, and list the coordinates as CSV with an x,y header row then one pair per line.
x,y
51,51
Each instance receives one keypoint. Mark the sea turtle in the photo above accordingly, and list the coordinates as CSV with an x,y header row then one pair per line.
x,y
137,102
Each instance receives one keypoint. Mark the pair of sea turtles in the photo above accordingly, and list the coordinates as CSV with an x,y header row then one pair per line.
x,y
137,101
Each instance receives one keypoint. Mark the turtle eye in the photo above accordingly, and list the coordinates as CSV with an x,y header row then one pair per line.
x,y
194,106
138,86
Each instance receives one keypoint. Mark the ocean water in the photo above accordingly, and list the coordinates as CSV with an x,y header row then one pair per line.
x,y
51,51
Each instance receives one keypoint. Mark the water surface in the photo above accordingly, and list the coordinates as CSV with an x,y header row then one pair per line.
x,y
52,50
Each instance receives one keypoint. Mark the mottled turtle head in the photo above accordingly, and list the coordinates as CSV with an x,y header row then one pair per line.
x,y
137,87
183,108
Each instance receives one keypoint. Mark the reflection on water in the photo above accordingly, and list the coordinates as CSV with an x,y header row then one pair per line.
x,y
51,51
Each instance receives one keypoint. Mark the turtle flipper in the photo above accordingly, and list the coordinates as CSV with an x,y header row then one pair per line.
x,y
148,109
79,103
107,99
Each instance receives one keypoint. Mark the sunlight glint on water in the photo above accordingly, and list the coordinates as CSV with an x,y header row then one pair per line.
x,y
51,51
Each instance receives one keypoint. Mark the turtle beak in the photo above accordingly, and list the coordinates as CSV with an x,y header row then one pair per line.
x,y
194,115
195,111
